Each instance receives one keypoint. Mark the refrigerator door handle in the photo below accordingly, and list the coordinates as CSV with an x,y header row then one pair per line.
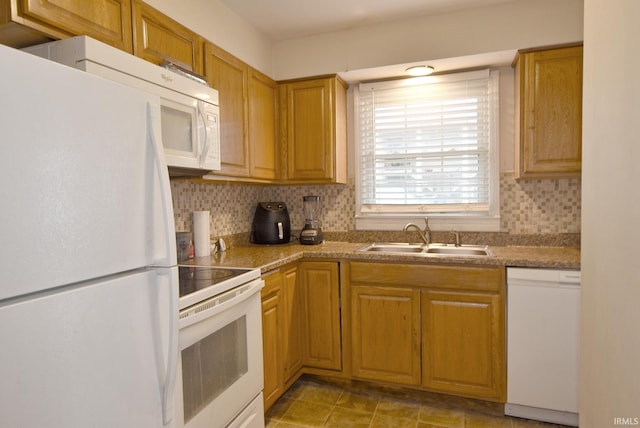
x,y
172,359
165,190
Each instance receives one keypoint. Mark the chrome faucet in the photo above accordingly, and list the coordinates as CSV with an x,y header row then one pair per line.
x,y
424,234
456,236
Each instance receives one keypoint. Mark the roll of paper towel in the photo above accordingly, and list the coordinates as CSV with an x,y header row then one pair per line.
x,y
201,233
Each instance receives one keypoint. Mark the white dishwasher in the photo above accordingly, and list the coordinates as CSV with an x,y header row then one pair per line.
x,y
543,318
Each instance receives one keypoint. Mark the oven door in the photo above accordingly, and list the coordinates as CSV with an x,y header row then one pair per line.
x,y
220,361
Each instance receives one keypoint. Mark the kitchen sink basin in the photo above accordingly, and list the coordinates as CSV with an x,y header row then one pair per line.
x,y
460,251
434,250
393,248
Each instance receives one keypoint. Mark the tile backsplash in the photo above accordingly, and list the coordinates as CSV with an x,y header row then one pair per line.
x,y
526,207
540,206
232,205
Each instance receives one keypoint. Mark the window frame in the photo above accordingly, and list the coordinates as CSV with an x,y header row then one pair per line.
x,y
485,221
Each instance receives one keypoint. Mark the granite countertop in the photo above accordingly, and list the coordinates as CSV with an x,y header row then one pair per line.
x,y
268,257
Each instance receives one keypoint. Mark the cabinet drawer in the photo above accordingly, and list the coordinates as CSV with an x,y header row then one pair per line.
x,y
272,283
458,277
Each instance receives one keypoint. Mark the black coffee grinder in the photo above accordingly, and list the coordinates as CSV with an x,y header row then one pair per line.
x,y
312,233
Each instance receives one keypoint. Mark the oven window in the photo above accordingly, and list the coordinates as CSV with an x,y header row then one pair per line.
x,y
213,364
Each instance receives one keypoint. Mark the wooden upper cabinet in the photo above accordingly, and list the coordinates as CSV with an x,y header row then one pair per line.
x,y
229,76
549,112
106,20
313,130
158,38
247,117
262,126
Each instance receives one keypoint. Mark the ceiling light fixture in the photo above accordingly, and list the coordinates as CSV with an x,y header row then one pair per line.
x,y
419,70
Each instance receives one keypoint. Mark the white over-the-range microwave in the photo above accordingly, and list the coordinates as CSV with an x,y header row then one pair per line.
x,y
189,107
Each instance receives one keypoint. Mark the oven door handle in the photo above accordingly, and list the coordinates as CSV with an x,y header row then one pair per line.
x,y
218,304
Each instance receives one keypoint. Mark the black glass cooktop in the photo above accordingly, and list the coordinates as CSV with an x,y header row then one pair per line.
x,y
196,278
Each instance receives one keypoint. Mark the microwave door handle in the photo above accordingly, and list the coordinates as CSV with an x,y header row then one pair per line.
x,y
204,134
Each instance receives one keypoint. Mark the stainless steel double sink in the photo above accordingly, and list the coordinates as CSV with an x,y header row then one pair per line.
x,y
435,250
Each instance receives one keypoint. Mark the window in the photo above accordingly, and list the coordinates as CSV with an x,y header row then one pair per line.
x,y
429,146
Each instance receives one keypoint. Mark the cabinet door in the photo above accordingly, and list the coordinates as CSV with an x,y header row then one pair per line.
x,y
272,329
157,38
106,20
292,340
229,76
463,343
262,125
321,290
385,327
550,93
310,108
308,129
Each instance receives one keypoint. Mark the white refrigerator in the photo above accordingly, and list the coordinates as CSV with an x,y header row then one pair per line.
x,y
89,283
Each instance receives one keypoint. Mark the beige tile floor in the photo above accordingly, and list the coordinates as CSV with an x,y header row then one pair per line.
x,y
316,402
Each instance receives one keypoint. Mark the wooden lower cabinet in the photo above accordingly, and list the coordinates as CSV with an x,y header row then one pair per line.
x,y
300,324
385,326
433,327
463,343
441,328
293,312
281,332
319,282
272,327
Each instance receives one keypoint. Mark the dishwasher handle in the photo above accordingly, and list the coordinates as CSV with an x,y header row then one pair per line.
x,y
542,276
569,277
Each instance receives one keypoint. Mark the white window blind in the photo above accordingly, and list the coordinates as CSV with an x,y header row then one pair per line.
x,y
428,144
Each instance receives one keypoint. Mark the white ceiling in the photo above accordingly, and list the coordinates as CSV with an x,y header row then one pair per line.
x,y
286,19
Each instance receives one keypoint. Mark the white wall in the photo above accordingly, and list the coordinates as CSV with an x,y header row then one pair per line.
x,y
610,350
511,25
218,24
507,26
